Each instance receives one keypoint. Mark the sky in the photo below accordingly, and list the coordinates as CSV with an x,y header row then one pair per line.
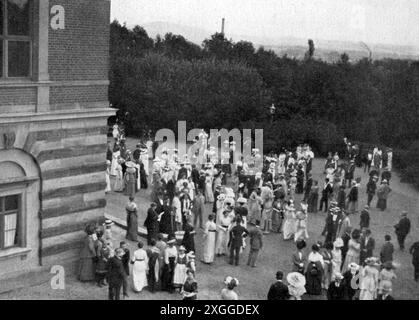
x,y
372,21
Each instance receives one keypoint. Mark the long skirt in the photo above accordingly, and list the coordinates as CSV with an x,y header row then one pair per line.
x,y
368,289
119,183
348,260
313,201
179,276
209,248
382,204
87,269
114,164
139,276
276,221
209,195
132,226
167,275
289,228
221,245
108,183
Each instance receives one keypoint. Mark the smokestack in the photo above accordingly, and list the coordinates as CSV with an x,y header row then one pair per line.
x,y
222,26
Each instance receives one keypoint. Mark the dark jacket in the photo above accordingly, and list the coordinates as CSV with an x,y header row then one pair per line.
x,y
125,261
367,249
364,221
256,242
337,293
327,191
278,291
236,236
296,261
414,251
371,187
386,253
116,271
353,194
403,227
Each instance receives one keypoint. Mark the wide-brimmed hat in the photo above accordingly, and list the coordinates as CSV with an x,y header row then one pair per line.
x,y
296,279
130,164
338,243
338,276
182,248
353,266
241,200
108,223
171,240
191,255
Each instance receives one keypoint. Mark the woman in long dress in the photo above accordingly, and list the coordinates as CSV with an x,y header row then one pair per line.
x,y
132,220
140,268
223,227
369,280
179,276
327,265
313,197
382,195
115,157
289,226
130,181
354,250
107,177
254,207
337,256
209,194
153,278
296,285
119,181
301,226
209,240
314,273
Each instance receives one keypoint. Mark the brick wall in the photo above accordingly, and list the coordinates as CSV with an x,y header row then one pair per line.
x,y
81,50
17,96
78,94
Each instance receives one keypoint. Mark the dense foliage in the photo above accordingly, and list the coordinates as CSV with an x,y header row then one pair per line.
x,y
232,84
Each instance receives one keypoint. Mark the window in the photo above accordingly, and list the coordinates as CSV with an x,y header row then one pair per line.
x,y
9,221
15,39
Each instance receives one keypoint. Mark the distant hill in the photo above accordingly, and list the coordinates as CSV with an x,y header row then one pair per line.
x,y
327,50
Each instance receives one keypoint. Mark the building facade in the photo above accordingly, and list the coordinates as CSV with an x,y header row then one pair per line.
x,y
54,57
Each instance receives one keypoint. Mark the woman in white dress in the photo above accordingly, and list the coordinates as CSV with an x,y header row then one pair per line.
x,y
107,177
209,194
369,280
220,206
119,181
223,227
209,240
289,226
179,277
337,256
114,164
139,270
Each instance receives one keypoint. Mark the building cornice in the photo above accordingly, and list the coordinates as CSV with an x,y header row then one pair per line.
x,y
7,119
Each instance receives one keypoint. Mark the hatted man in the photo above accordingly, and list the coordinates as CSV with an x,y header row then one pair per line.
x,y
402,229
278,290
116,274
236,241
256,243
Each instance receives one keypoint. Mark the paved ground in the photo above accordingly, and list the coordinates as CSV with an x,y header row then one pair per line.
x,y
254,282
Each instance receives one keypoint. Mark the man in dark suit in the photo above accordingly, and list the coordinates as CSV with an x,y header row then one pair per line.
x,y
152,223
116,275
387,250
364,218
337,289
195,176
278,291
236,241
256,243
367,246
326,192
402,229
125,262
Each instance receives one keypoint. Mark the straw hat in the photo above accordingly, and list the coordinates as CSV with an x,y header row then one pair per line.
x,y
182,248
241,200
296,279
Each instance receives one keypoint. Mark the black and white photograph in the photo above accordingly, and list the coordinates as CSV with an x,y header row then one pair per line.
x,y
219,150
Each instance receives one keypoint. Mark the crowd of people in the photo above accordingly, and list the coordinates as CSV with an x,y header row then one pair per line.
x,y
247,203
